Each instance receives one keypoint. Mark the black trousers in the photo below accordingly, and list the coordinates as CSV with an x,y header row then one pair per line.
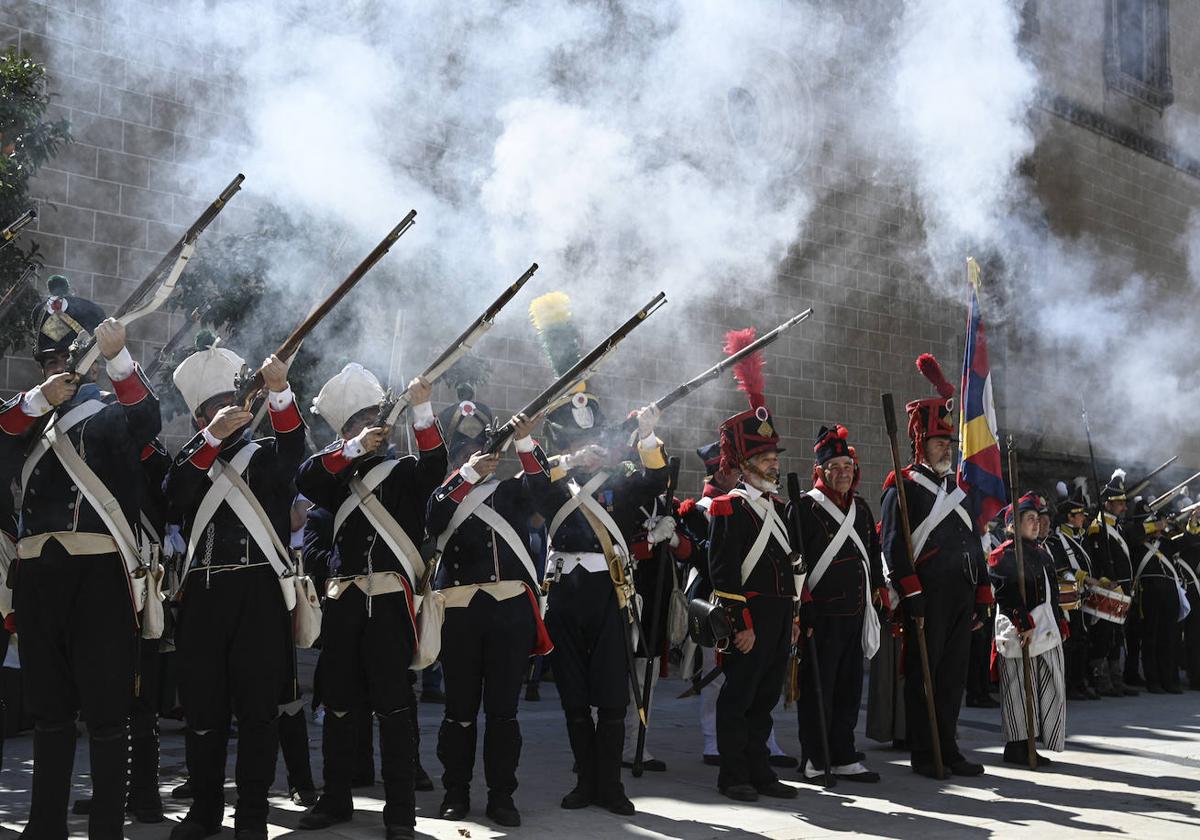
x,y
1134,630
364,667
979,667
838,641
655,601
1191,641
1159,621
589,658
1075,652
78,641
232,627
949,615
753,682
485,654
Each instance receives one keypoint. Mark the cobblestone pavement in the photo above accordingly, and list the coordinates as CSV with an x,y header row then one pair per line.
x,y
1131,768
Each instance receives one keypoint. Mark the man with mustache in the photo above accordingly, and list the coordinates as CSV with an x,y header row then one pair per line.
x,y
945,582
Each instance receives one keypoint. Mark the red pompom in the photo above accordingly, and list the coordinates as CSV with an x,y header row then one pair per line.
x,y
687,506
749,371
932,371
843,432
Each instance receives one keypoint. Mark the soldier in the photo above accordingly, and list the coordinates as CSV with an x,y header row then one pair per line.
x,y
1186,542
1073,565
233,618
837,606
493,618
695,517
1033,621
750,565
1110,553
76,553
293,724
946,580
369,634
1156,586
592,499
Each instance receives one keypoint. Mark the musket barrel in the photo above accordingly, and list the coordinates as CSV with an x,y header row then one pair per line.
x,y
9,233
1159,501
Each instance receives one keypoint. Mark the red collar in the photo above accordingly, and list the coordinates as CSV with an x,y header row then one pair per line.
x,y
842,501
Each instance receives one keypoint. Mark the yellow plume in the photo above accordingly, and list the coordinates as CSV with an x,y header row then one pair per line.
x,y
549,310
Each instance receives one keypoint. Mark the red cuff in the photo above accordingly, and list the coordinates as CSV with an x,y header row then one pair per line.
x,y
147,451
747,621
641,550
205,456
1065,628
428,438
287,420
909,585
132,389
460,492
885,597
984,594
805,595
14,421
684,550
10,622
529,463
334,462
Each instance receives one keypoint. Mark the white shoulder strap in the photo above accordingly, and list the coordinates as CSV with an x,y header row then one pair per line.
x,y
394,536
219,488
1151,552
501,526
1116,535
943,504
65,423
845,532
1179,562
771,526
374,477
98,496
578,494
466,507
250,511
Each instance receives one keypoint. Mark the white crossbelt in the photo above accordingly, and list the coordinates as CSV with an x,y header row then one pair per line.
x,y
65,423
772,526
1069,547
475,504
943,505
1151,552
1190,572
1116,535
362,497
846,531
592,561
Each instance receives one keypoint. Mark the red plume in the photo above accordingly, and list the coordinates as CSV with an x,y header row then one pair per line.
x,y
932,371
749,371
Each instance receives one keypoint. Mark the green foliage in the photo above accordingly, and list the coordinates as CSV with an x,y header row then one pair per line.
x,y
27,141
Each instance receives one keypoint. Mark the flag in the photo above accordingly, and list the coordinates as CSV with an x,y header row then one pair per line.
x,y
979,474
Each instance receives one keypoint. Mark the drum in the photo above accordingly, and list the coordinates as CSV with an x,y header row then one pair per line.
x,y
1107,604
1070,593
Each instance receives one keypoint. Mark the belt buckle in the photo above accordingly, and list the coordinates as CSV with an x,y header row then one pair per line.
x,y
558,567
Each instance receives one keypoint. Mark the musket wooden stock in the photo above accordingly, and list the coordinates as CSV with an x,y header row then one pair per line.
x,y
578,372
889,419
393,406
9,233
715,371
248,386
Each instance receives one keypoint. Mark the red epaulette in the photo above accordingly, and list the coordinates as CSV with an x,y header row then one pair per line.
x,y
998,553
687,506
722,506
890,481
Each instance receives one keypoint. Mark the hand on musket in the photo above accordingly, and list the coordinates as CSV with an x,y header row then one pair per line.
x,y
523,426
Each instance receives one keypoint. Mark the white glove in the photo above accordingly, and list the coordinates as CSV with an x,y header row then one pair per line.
x,y
174,543
663,531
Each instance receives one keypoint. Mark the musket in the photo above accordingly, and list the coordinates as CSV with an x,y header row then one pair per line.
x,y
499,438
716,370
1101,534
1161,501
1026,664
702,683
84,350
793,483
392,407
1143,483
13,293
889,419
247,385
9,233
664,561
178,336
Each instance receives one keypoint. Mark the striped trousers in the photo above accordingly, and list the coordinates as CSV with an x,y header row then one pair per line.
x,y
1049,701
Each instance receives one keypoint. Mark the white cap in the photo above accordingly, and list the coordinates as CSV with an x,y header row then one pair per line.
x,y
348,393
205,374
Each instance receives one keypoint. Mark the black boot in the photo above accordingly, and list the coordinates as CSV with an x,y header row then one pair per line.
x,y
206,774
144,801
53,758
501,755
340,745
293,743
456,751
109,752
581,732
1017,752
397,753
257,753
610,743
364,748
